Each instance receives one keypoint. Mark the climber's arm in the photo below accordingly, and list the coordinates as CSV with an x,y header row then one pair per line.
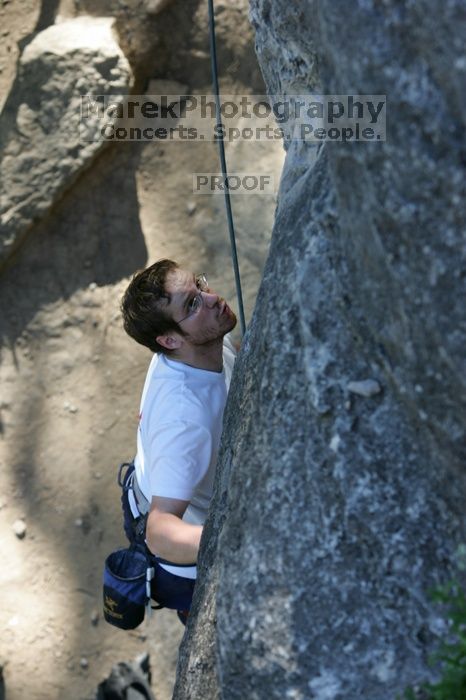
x,y
167,535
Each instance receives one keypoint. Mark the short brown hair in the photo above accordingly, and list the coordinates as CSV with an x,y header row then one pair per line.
x,y
143,315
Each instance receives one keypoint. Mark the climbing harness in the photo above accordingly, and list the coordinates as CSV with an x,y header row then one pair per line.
x,y
133,577
128,572
221,146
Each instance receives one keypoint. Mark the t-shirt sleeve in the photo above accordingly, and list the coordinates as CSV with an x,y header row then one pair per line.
x,y
182,455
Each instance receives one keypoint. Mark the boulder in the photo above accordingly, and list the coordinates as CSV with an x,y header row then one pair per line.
x,y
339,500
42,149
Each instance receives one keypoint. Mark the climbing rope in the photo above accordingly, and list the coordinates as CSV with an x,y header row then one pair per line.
x,y
221,146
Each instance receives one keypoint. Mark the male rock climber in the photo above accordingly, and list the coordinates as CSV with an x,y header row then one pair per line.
x,y
175,314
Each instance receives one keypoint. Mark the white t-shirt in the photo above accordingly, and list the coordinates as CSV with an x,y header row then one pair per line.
x,y
180,424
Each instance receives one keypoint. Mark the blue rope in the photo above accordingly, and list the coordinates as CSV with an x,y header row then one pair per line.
x,y
221,145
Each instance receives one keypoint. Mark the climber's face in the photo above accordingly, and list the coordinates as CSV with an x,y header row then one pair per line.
x,y
203,316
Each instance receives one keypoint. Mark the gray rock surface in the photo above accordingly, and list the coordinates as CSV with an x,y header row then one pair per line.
x,y
41,149
336,512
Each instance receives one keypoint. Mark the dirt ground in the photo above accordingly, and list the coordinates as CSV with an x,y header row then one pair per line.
x,y
70,387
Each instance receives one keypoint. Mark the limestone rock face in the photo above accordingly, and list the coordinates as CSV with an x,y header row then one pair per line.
x,y
340,495
41,152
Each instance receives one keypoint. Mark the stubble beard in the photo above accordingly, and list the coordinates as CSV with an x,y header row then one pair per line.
x,y
212,336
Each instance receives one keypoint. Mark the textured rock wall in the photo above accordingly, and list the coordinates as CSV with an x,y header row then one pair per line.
x,y
340,497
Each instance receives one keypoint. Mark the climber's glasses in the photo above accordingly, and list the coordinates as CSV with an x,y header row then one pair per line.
x,y
195,305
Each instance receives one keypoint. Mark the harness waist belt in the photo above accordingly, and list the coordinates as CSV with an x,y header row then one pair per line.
x,y
188,571
141,501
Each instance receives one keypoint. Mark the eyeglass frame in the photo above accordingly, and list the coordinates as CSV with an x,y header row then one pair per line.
x,y
203,286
